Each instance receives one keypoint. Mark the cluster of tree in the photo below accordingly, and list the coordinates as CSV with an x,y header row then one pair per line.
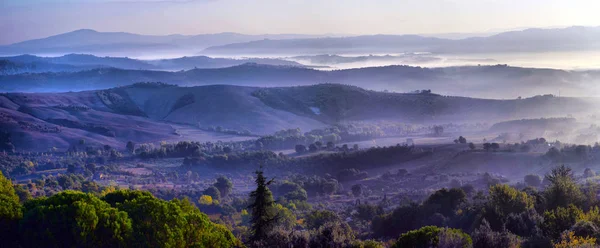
x,y
187,149
318,146
573,153
460,140
321,228
318,164
122,218
316,185
351,174
29,163
491,146
291,138
220,129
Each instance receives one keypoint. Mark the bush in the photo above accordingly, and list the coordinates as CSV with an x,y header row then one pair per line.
x,y
569,240
506,200
485,237
533,180
213,192
446,201
332,234
317,218
432,236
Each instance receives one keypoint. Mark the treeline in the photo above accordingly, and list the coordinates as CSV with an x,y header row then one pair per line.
x,y
289,138
13,165
322,163
121,218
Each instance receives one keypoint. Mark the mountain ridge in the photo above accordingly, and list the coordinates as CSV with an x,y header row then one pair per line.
x,y
528,40
87,40
498,81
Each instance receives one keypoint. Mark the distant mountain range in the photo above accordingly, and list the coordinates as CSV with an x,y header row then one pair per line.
x,y
148,112
529,40
90,41
78,62
478,81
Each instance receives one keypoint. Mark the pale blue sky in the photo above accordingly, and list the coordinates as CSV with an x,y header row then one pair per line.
x,y
27,19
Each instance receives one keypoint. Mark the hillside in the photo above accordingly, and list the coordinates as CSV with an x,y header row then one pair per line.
x,y
331,103
475,81
150,112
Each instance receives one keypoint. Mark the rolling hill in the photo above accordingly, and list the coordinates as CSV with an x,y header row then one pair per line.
x,y
150,112
475,81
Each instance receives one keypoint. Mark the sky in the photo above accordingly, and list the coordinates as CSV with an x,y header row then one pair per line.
x,y
28,19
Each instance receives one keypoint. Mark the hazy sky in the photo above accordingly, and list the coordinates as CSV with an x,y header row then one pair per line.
x,y
27,19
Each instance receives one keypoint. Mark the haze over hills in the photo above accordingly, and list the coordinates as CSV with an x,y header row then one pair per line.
x,y
475,81
149,112
529,40
80,62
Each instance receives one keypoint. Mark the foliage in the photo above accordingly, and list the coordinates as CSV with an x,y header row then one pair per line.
x,y
560,219
357,190
224,185
332,234
533,180
432,236
484,236
10,213
205,200
175,223
446,201
213,192
569,240
318,218
563,189
264,213
74,219
506,200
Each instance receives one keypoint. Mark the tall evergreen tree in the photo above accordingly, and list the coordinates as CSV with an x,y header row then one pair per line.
x,y
264,214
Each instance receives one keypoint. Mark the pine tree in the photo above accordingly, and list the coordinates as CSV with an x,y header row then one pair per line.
x,y
263,209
